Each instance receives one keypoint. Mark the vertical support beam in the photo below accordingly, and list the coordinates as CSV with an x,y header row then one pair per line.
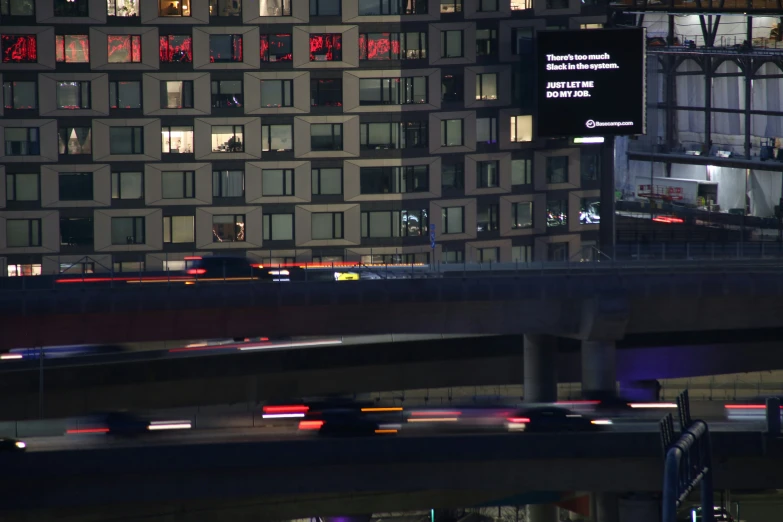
x,y
542,513
606,507
599,369
773,416
540,359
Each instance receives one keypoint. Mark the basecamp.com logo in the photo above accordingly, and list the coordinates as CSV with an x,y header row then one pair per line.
x,y
591,124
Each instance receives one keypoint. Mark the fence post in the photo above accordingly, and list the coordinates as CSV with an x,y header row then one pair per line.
x,y
773,416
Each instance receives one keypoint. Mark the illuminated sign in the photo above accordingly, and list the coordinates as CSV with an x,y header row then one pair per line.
x,y
591,82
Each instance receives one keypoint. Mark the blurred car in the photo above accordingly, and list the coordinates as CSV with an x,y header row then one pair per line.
x,y
552,418
346,417
12,445
220,267
111,423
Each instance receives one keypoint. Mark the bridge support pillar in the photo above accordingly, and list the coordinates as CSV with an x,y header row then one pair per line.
x,y
599,370
540,359
542,513
605,507
640,508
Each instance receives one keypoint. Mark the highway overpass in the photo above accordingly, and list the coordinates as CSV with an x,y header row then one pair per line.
x,y
581,301
290,479
155,380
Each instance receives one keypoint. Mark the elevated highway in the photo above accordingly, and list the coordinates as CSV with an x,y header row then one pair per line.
x,y
582,301
289,479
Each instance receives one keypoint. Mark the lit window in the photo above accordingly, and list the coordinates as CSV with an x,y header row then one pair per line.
x,y
74,140
174,7
19,270
225,48
126,185
178,229
276,48
556,213
176,94
228,138
124,48
176,49
326,47
20,95
177,140
72,48
274,8
590,211
228,228
521,128
73,95
22,233
450,6
122,7
19,48
392,46
127,230
225,7
226,93
125,95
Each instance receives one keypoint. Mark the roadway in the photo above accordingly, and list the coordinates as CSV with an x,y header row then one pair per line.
x,y
574,300
256,478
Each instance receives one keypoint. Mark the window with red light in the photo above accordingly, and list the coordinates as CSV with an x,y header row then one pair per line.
x,y
72,48
225,48
392,46
276,48
124,48
326,47
176,49
19,48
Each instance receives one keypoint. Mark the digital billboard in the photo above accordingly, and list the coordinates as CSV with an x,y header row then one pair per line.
x,y
590,82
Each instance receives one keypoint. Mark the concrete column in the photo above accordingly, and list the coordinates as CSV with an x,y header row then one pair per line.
x,y
640,508
540,359
599,369
542,513
606,507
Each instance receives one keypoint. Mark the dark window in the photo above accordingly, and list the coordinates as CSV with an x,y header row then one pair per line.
x,y
557,169
22,233
522,40
521,171
276,48
73,95
70,7
176,49
557,4
174,8
228,228
22,141
451,133
452,176
277,182
590,165
228,183
227,93
326,225
487,130
127,185
176,94
487,6
278,227
326,47
557,252
394,180
487,174
392,46
327,181
225,48
20,95
276,138
76,231
326,93
17,7
451,44
125,95
452,256
124,48
178,184
393,91
486,217
228,138
128,266
74,140
326,136
451,87
127,230
72,48
392,7
415,134
126,140
325,7
19,48
522,215
21,187
277,93
486,42
556,213
75,186
488,255
225,7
